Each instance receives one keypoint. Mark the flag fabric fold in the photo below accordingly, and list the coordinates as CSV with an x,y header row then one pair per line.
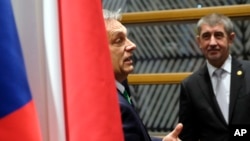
x,y
90,98
17,109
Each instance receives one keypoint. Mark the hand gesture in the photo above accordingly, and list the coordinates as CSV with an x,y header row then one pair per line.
x,y
173,136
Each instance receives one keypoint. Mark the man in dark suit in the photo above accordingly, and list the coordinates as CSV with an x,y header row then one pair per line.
x,y
211,104
121,50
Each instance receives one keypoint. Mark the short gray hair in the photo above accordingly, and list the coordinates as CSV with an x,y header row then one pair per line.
x,y
107,14
213,19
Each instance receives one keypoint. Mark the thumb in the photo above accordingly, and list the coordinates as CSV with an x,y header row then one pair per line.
x,y
178,128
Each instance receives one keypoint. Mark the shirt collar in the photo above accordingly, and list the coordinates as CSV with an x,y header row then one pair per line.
x,y
226,66
119,86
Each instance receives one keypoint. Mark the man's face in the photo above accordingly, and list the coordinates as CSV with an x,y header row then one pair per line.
x,y
214,43
121,49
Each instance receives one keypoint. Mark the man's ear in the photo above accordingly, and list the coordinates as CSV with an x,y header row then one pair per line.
x,y
231,37
198,40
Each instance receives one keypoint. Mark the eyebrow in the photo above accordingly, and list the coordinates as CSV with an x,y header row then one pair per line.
x,y
119,32
212,32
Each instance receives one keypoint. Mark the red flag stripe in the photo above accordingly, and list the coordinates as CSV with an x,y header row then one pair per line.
x,y
15,126
91,103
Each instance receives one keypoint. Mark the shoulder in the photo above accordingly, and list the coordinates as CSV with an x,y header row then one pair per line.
x,y
241,64
196,75
245,63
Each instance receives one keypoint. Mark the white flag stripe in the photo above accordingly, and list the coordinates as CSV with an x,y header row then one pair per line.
x,y
52,47
38,31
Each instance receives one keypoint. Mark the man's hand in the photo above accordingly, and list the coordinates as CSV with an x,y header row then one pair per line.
x,y
173,136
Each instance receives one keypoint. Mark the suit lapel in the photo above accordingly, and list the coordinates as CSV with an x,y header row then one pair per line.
x,y
237,83
205,84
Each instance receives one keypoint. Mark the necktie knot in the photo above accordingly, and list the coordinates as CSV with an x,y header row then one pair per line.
x,y
218,73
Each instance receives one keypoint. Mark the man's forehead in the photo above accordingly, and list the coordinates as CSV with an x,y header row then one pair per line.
x,y
115,26
212,28
112,23
215,26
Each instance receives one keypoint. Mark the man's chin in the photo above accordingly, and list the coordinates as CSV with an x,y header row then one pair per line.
x,y
130,70
214,57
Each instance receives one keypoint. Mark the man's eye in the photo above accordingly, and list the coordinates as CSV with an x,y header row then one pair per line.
x,y
206,36
219,35
119,40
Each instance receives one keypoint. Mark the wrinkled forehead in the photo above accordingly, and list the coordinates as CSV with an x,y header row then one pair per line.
x,y
112,24
212,28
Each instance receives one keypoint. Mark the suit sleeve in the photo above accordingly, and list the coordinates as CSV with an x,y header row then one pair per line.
x,y
156,139
187,117
133,128
129,125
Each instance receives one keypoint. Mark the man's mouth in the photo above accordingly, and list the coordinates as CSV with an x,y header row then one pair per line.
x,y
129,60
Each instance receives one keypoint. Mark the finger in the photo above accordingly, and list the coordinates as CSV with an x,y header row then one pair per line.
x,y
175,133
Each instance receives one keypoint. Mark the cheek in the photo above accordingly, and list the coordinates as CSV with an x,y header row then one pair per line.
x,y
225,43
116,57
113,57
203,50
204,45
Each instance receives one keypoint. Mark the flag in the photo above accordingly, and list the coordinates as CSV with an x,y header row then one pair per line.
x,y
37,24
18,117
90,98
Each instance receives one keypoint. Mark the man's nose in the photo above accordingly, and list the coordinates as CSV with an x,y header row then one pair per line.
x,y
212,41
130,45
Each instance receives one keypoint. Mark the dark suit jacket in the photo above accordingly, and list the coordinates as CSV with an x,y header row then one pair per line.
x,y
133,128
199,111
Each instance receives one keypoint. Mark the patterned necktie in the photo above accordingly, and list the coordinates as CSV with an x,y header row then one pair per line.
x,y
125,93
221,93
